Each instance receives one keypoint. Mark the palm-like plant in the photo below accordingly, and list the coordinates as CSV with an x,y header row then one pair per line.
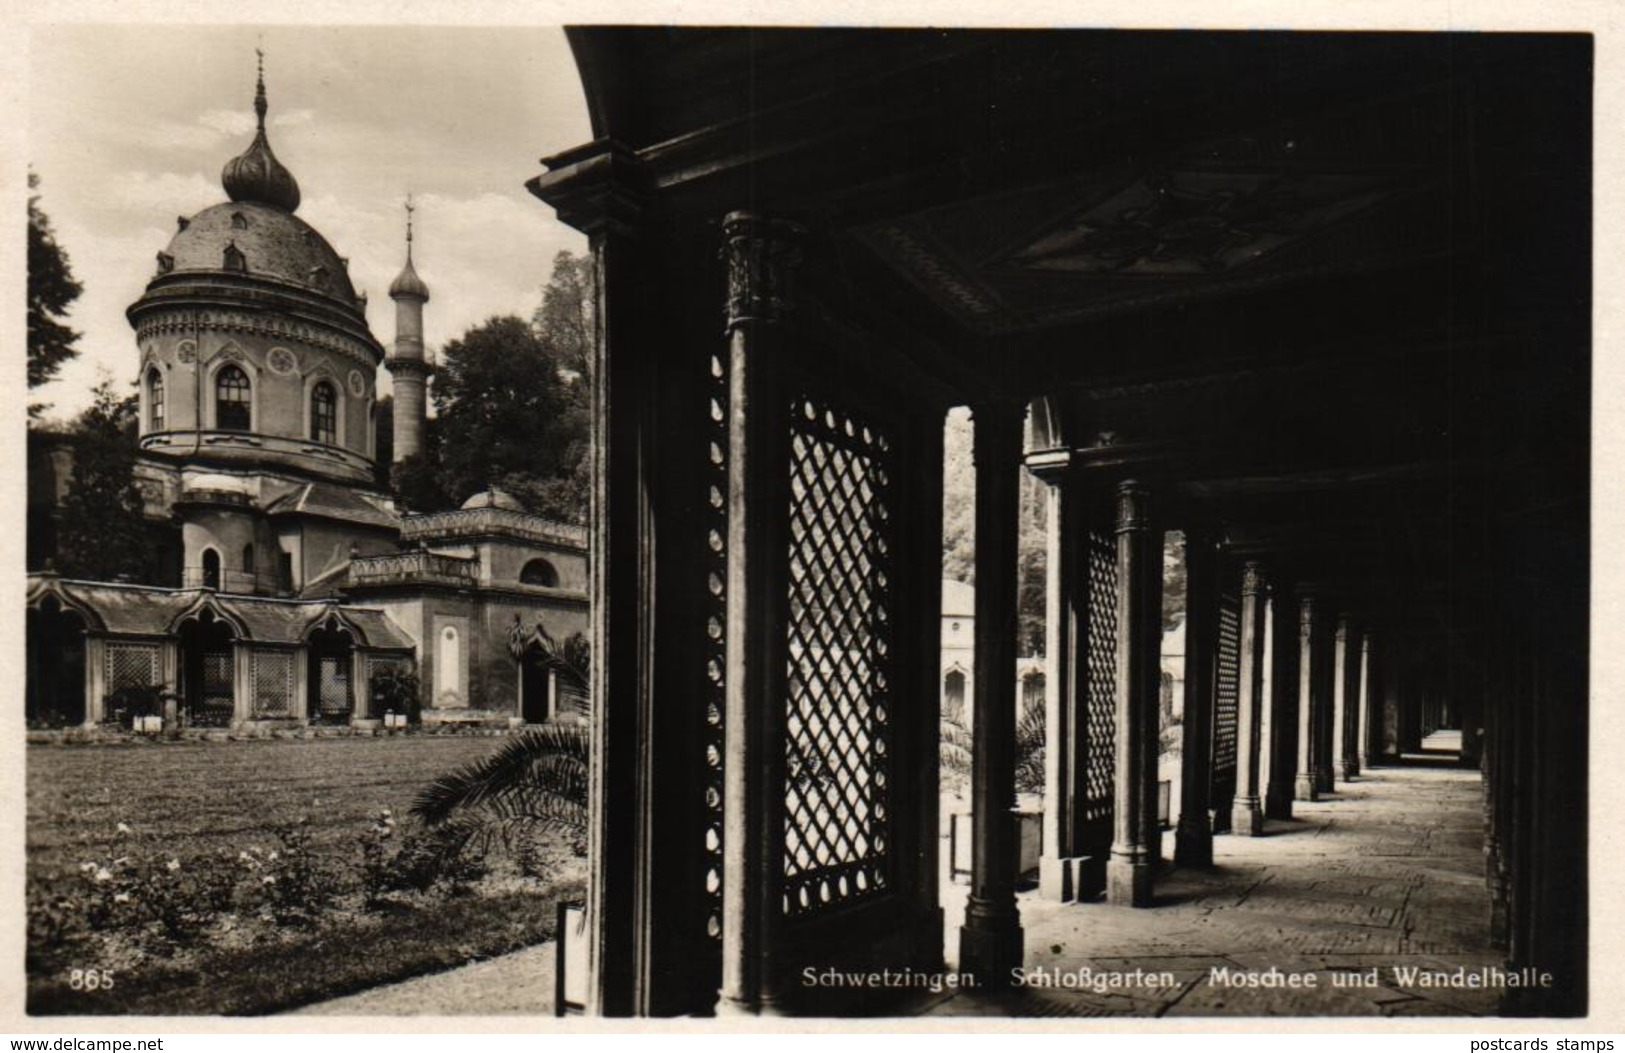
x,y
535,782
956,745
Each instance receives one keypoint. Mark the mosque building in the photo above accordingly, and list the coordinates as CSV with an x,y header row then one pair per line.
x,y
294,588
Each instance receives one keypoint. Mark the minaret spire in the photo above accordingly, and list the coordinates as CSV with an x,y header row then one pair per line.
x,y
407,363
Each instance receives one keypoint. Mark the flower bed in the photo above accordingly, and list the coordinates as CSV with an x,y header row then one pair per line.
x,y
256,877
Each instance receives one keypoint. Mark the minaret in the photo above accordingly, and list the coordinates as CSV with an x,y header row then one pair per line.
x,y
406,364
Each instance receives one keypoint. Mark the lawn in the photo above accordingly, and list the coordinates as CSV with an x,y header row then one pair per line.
x,y
205,805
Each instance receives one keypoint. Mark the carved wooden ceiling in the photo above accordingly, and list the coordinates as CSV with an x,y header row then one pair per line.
x,y
1356,189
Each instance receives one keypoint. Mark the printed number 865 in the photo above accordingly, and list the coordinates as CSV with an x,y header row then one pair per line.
x,y
90,980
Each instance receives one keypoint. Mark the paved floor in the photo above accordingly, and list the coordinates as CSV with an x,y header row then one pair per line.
x,y
1384,876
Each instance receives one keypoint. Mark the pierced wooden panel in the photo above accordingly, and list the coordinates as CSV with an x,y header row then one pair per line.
x,y
213,704
273,685
1101,674
838,721
1226,690
131,665
713,645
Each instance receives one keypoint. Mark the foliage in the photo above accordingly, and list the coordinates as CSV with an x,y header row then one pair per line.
x,y
512,404
1173,579
135,700
956,746
51,291
536,780
959,528
568,315
398,690
104,534
425,858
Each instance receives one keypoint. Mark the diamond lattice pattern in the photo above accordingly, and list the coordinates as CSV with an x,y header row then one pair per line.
x,y
837,723
273,684
1226,690
1101,656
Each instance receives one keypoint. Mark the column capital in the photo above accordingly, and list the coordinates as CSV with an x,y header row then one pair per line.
x,y
1306,610
1253,582
1133,506
1343,628
762,254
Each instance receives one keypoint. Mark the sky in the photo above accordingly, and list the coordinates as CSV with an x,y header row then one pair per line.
x,y
129,126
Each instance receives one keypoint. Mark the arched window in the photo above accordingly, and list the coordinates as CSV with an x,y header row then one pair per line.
x,y
539,572
324,413
248,559
231,400
211,569
155,400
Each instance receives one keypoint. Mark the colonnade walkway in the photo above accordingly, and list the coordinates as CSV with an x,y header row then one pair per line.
x,y
1387,875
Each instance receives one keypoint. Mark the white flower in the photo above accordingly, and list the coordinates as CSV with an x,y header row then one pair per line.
x,y
245,857
173,865
268,880
385,813
121,897
124,828
273,857
87,868
103,875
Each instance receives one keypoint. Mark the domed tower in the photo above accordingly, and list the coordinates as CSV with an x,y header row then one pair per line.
x,y
257,383
406,364
255,349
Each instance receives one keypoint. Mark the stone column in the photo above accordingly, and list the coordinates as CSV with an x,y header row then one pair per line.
x,y
1247,814
1362,716
1340,702
1282,744
990,941
760,254
1193,838
1065,699
1135,837
1307,785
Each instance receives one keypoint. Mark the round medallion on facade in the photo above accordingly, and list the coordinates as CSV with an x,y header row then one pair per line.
x,y
186,352
282,361
358,383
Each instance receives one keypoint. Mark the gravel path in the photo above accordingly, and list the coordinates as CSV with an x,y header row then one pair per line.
x,y
520,983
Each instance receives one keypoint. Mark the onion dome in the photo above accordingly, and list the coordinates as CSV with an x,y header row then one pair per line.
x,y
407,283
494,498
255,174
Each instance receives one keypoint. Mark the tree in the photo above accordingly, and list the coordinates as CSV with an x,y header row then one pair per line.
x,y
507,417
568,315
104,534
51,290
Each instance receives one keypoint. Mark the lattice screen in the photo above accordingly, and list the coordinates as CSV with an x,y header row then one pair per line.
x,y
1226,692
1101,672
213,704
333,698
131,665
838,722
713,647
273,685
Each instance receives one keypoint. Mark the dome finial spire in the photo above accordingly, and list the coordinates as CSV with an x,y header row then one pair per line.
x,y
260,105
409,210
255,174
